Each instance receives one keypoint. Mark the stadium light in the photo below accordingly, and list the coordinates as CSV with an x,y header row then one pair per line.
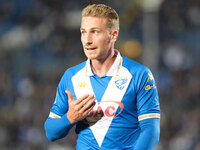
x,y
150,55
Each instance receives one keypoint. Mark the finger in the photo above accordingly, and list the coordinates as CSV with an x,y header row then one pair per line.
x,y
88,105
85,113
80,99
84,101
70,96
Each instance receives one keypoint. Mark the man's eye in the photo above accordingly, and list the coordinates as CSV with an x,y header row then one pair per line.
x,y
95,32
83,32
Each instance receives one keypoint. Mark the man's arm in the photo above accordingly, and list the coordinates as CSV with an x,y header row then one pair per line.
x,y
148,112
149,136
57,127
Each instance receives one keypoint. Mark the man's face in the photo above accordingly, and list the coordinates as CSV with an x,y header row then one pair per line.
x,y
96,38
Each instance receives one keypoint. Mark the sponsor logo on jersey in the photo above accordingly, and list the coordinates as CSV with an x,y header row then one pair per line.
x,y
104,111
150,87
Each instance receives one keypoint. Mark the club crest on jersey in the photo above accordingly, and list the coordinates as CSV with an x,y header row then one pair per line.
x,y
120,82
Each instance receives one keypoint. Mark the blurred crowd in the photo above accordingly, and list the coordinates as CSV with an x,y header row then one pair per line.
x,y
179,75
40,39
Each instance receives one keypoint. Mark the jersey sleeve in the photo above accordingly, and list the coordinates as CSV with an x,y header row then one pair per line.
x,y
60,105
147,97
148,109
57,124
149,134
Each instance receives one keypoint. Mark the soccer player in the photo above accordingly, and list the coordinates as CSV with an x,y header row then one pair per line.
x,y
112,100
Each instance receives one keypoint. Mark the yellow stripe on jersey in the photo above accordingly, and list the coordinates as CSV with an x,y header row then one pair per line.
x,y
52,115
147,116
120,63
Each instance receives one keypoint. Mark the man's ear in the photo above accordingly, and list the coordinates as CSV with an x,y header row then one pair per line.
x,y
114,35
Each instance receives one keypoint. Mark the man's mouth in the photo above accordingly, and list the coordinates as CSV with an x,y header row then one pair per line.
x,y
90,48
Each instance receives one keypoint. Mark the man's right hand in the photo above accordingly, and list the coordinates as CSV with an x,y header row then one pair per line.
x,y
80,108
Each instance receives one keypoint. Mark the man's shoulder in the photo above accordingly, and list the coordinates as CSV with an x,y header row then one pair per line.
x,y
133,66
73,70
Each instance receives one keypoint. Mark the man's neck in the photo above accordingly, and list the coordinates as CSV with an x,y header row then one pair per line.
x,y
101,67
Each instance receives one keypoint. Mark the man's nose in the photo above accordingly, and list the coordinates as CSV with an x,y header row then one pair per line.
x,y
88,39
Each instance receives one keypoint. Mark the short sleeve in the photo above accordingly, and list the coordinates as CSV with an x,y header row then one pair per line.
x,y
147,97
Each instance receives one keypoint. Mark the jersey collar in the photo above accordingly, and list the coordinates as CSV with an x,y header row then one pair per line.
x,y
112,71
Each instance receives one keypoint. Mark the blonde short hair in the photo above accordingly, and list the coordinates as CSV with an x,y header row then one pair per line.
x,y
101,10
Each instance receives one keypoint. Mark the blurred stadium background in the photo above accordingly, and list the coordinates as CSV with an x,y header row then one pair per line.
x,y
40,39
